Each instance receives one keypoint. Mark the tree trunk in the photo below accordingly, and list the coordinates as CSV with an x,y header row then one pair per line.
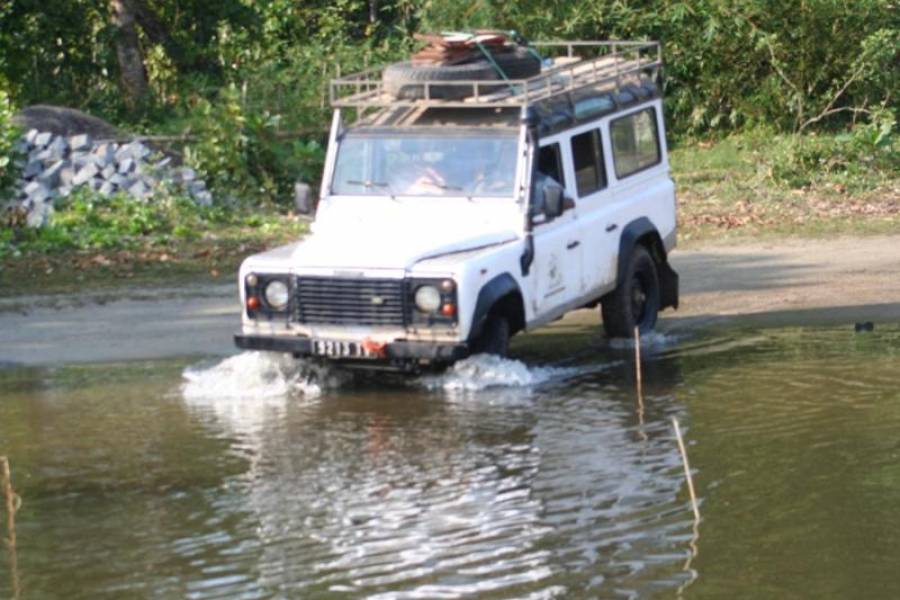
x,y
132,72
157,32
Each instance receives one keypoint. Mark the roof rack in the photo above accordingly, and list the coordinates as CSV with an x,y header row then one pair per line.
x,y
617,64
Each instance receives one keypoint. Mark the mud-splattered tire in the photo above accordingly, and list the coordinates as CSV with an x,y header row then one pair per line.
x,y
494,338
635,302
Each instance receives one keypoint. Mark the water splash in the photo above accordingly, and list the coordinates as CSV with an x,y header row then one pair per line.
x,y
483,371
249,391
257,375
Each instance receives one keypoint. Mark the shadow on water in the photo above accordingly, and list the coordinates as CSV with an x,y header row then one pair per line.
x,y
258,476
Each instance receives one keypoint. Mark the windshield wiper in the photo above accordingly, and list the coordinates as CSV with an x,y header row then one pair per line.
x,y
373,184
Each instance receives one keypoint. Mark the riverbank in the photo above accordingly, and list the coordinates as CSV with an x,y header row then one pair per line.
x,y
761,284
726,192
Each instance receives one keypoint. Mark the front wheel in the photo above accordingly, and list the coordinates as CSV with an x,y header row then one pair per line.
x,y
635,301
494,338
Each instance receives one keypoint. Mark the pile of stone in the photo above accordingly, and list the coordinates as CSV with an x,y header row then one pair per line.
x,y
53,166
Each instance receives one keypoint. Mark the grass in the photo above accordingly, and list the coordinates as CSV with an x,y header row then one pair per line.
x,y
742,187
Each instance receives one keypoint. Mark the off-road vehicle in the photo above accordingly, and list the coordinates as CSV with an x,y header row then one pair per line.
x,y
460,206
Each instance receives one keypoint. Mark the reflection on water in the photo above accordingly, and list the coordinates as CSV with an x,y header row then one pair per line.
x,y
259,476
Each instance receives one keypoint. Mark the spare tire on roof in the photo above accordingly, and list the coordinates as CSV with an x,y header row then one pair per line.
x,y
404,80
520,63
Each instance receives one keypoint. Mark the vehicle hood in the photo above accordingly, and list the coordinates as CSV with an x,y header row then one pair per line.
x,y
397,237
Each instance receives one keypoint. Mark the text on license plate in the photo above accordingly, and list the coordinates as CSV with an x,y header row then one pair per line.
x,y
340,349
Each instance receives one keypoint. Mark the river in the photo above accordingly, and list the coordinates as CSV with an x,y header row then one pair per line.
x,y
257,476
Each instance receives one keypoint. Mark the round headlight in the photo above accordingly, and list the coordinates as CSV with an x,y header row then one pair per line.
x,y
428,299
277,294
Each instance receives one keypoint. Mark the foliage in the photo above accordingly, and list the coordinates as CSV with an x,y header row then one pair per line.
x,y
863,157
91,222
241,153
247,81
729,63
9,135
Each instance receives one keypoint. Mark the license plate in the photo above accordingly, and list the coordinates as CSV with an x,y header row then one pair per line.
x,y
340,349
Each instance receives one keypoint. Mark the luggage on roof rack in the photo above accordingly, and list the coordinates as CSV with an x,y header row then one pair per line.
x,y
614,66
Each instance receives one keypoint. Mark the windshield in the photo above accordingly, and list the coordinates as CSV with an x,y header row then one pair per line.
x,y
407,165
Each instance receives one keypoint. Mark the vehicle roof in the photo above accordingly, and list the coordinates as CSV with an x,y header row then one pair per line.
x,y
554,115
569,89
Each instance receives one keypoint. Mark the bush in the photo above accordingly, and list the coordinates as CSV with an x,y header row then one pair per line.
x,y
91,222
9,136
243,155
863,157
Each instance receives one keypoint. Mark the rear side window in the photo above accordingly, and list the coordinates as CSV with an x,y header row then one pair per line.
x,y
635,142
550,163
587,157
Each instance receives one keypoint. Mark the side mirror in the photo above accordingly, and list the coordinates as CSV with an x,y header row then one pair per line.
x,y
303,198
553,201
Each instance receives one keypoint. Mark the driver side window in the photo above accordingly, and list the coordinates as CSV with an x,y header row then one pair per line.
x,y
550,163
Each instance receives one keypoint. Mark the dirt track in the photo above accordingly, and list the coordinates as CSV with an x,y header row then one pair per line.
x,y
800,282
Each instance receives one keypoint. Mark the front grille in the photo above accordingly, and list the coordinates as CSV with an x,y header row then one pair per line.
x,y
344,301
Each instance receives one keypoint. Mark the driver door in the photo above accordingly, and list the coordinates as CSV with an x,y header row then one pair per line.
x,y
557,275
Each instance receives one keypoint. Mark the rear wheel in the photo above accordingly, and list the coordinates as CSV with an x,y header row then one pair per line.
x,y
635,301
494,338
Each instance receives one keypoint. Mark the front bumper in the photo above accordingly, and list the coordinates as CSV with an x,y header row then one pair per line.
x,y
399,351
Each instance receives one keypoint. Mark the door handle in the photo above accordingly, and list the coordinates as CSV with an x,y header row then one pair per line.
x,y
572,245
612,227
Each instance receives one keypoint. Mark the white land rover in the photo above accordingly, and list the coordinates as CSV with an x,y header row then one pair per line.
x,y
455,213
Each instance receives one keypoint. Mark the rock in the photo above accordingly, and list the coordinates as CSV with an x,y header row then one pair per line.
x,y
106,152
30,136
66,175
60,120
121,181
126,166
42,139
50,176
139,190
133,150
162,164
81,160
80,142
203,198
107,189
85,174
108,171
58,148
196,187
185,174
64,190
44,156
37,192
37,215
32,169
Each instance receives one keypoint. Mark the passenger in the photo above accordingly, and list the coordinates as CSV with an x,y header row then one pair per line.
x,y
496,178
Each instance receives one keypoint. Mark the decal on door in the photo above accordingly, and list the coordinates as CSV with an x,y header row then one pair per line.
x,y
555,281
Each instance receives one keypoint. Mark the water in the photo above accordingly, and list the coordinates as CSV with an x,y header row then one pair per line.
x,y
260,477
